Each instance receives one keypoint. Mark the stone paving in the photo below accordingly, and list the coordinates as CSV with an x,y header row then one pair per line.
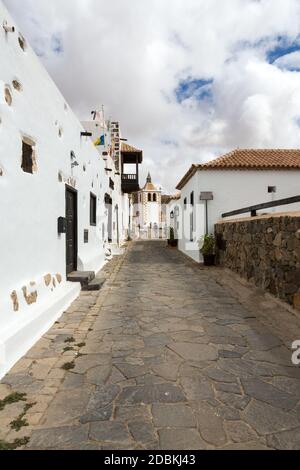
x,y
168,355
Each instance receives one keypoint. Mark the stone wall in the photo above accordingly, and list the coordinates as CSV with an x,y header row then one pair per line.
x,y
264,250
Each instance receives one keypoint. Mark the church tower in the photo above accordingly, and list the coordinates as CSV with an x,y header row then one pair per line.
x,y
149,203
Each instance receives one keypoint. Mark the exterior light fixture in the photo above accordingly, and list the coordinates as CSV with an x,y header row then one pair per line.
x,y
61,225
8,29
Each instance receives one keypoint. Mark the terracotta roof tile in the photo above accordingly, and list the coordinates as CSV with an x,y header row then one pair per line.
x,y
249,159
257,159
166,198
150,187
126,148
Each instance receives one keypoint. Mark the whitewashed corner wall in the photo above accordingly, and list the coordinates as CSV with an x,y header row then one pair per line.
x,y
120,217
231,190
33,287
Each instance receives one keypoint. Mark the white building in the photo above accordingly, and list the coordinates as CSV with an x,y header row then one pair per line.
x,y
53,186
148,209
106,136
170,214
237,180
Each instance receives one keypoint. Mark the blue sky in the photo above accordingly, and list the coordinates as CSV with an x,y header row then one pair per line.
x,y
195,88
283,47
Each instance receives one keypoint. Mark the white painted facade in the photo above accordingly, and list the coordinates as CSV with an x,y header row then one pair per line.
x,y
232,189
33,288
116,227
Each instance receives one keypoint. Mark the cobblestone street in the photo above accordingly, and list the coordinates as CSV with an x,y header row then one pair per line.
x,y
168,355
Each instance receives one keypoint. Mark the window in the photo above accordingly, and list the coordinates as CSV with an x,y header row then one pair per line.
x,y
22,42
111,184
272,189
27,158
185,203
149,197
154,198
93,210
192,199
17,85
7,95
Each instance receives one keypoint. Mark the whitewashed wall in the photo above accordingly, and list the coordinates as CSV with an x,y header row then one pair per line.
x,y
232,190
118,197
30,204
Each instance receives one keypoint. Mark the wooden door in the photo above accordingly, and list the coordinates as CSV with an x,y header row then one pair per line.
x,y
71,234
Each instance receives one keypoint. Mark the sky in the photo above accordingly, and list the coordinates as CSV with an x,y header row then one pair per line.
x,y
188,80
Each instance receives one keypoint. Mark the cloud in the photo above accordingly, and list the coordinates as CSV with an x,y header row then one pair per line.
x,y
188,80
289,61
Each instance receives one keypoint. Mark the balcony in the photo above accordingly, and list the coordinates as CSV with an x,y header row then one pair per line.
x,y
130,183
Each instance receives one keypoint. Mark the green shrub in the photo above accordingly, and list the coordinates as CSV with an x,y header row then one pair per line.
x,y
207,245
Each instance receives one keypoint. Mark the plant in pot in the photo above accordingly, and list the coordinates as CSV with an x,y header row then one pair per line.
x,y
172,241
207,249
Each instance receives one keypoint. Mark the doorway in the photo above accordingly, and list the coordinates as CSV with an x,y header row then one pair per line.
x,y
109,208
71,232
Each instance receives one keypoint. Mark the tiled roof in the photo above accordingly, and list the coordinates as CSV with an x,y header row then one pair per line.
x,y
257,159
126,148
166,198
150,187
249,159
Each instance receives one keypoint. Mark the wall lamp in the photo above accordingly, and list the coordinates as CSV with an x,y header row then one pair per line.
x,y
8,29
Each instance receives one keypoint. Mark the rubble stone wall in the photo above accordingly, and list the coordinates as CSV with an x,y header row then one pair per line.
x,y
264,250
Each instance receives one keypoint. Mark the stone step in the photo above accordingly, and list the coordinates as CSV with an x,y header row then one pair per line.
x,y
84,277
94,285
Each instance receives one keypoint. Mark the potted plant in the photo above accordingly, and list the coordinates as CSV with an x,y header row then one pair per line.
x,y
207,249
172,241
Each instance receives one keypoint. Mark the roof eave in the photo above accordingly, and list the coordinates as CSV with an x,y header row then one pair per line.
x,y
182,183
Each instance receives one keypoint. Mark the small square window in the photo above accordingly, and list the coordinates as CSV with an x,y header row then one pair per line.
x,y
272,189
27,158
93,210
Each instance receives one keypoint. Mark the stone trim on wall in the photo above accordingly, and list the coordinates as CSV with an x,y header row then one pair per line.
x,y
265,251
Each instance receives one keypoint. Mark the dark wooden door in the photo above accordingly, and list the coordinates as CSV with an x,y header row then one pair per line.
x,y
71,235
118,227
109,208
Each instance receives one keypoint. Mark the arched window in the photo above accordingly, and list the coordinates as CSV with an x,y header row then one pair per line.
x,y
149,197
154,198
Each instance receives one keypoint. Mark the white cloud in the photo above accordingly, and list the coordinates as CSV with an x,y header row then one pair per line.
x,y
132,55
